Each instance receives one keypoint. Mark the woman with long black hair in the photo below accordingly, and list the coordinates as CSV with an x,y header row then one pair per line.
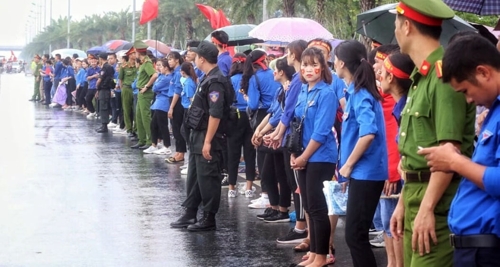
x,y
363,150
258,88
176,112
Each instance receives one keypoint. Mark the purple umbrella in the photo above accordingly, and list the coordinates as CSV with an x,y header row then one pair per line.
x,y
289,30
479,7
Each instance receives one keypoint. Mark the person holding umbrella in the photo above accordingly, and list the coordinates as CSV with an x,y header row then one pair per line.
x,y
434,115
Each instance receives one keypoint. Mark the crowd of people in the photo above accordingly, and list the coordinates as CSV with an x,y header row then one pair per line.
x,y
390,125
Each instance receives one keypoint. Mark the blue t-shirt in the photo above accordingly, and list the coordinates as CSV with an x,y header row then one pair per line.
x,y
57,70
188,90
363,116
260,95
476,211
315,106
224,61
276,108
160,88
175,83
46,78
241,103
90,72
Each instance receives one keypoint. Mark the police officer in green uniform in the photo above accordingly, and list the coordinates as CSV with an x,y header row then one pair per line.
x,y
434,114
145,80
206,119
127,75
38,78
104,86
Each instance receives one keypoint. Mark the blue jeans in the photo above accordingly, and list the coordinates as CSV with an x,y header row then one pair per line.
x,y
377,219
387,207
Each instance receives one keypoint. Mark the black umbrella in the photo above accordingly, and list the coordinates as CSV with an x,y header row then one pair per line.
x,y
125,46
378,24
238,35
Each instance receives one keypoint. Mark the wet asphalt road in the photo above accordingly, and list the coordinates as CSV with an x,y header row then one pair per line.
x,y
71,197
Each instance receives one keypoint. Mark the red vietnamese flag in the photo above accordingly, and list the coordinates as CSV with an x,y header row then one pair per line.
x,y
216,18
149,11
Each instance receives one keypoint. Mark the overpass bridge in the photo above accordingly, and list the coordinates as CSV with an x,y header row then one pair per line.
x,y
11,47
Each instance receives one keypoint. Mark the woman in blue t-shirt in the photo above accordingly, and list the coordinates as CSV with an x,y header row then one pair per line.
x,y
188,90
363,150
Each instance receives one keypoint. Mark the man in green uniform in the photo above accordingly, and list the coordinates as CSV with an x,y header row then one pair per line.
x,y
434,114
146,78
127,75
38,78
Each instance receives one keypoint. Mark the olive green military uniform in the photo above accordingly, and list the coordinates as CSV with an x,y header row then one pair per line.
x,y
127,75
143,115
38,79
434,113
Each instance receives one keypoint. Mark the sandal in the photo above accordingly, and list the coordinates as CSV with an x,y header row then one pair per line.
x,y
173,160
303,246
306,257
330,258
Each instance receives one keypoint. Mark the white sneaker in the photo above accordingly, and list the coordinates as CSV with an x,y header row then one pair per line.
x,y
91,115
262,197
119,131
160,145
163,151
184,171
150,150
111,124
232,193
262,204
249,193
185,166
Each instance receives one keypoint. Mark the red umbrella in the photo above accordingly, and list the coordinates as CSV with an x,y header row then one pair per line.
x,y
113,44
159,46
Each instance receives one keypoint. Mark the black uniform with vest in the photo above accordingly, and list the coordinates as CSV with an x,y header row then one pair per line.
x,y
104,88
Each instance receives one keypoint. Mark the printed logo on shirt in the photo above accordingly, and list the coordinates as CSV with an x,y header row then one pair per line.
x,y
486,134
214,96
345,116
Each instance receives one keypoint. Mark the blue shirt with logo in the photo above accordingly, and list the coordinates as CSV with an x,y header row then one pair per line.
x,y
160,88
81,77
188,90
90,72
363,116
260,95
318,120
291,96
224,61
475,211
241,103
46,78
276,108
175,83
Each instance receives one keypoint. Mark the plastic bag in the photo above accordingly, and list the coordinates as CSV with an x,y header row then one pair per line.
x,y
335,199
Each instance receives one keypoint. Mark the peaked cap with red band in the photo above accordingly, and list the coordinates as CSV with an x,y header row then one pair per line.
x,y
427,12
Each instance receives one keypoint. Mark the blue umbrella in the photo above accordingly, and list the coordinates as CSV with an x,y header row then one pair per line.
x,y
479,7
156,53
96,50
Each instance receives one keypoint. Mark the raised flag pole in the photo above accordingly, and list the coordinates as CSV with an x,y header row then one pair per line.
x,y
149,30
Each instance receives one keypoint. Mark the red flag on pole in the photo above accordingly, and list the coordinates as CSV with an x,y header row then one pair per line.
x,y
217,18
149,11
12,56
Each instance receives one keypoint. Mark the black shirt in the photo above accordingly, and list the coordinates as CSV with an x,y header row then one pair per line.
x,y
212,93
107,75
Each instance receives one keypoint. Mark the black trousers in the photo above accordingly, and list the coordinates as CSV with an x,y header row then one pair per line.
x,y
476,257
361,205
88,98
241,136
159,127
47,86
203,182
261,114
104,105
176,122
291,177
273,173
80,95
185,131
311,188
70,87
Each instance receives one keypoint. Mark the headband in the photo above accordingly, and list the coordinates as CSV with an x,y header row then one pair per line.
x,y
380,55
239,59
214,40
394,70
320,43
260,60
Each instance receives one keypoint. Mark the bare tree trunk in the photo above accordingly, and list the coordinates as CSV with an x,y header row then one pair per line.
x,y
189,27
320,11
289,8
176,33
251,19
367,5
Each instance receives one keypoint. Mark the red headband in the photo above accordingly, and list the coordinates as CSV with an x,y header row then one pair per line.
x,y
410,13
320,43
259,62
239,59
395,71
214,40
380,55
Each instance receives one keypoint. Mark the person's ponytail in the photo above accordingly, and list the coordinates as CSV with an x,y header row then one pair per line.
x,y
364,77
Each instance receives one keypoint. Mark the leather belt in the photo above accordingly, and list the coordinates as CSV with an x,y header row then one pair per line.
x,y
474,241
422,177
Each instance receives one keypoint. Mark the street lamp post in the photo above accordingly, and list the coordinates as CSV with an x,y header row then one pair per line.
x,y
133,21
69,10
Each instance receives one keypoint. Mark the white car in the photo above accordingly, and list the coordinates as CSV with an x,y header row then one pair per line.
x,y
16,68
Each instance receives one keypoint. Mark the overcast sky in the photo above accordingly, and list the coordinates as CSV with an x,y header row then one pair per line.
x,y
15,14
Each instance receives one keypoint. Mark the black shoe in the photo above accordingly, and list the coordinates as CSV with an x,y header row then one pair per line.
x,y
278,217
102,129
130,135
292,237
189,218
134,139
225,180
268,212
144,147
136,146
207,223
